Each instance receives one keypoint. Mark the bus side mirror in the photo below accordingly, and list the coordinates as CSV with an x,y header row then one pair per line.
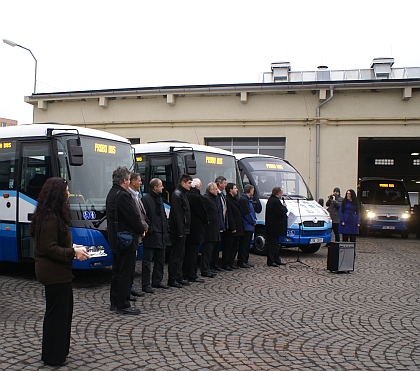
x,y
190,164
321,201
75,152
256,203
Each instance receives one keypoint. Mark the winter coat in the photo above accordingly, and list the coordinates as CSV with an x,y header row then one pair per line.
x,y
157,235
180,215
198,216
128,218
212,231
223,219
141,209
249,218
349,217
334,208
234,216
275,217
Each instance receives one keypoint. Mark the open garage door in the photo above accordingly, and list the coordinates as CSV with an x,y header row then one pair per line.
x,y
391,158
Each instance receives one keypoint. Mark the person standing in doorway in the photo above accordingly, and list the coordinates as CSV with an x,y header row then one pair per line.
x,y
333,204
349,217
54,254
179,228
275,225
249,220
197,231
154,243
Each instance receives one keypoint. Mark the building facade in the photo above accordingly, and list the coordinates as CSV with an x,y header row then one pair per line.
x,y
7,122
333,126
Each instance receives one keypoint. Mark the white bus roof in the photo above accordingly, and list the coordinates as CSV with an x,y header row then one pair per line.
x,y
164,147
240,156
40,130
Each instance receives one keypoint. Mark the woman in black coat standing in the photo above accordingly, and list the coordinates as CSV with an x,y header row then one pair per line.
x,y
275,225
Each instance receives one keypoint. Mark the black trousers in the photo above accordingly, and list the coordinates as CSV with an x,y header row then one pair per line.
x,y
273,249
150,254
230,249
189,268
176,258
216,251
206,255
347,236
123,268
244,246
335,230
57,323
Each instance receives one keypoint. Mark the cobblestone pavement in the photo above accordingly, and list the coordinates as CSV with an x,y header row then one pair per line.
x,y
263,318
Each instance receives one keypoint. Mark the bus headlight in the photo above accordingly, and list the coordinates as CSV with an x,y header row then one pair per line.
x,y
406,215
371,214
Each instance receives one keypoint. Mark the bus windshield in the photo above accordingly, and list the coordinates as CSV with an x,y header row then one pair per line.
x,y
90,183
271,172
383,192
212,165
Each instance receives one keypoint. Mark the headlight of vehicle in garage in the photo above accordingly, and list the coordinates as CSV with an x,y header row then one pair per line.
x,y
406,215
371,214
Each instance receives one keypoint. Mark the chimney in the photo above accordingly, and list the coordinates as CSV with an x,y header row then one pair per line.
x,y
280,71
382,67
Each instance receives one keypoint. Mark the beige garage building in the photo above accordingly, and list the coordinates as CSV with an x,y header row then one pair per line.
x,y
334,126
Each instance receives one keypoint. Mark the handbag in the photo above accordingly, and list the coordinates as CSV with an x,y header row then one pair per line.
x,y
124,239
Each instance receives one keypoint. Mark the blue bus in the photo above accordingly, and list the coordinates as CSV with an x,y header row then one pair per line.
x,y
86,158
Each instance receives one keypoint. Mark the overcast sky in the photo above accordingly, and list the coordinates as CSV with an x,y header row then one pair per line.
x,y
90,44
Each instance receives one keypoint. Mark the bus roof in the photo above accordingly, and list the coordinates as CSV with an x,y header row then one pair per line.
x,y
40,130
165,146
240,156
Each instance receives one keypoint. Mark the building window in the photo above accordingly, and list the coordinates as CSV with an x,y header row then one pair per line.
x,y
134,140
264,146
416,162
3,124
384,161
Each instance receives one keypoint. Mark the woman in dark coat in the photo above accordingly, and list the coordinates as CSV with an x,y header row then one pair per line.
x,y
212,232
349,217
275,225
54,254
235,228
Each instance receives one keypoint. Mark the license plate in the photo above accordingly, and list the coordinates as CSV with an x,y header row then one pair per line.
x,y
316,240
388,227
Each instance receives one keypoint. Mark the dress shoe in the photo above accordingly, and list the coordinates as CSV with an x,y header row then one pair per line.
x,y
132,298
218,269
184,283
131,311
174,284
272,264
148,290
136,293
227,268
198,280
213,271
280,263
251,265
113,308
244,265
210,275
160,286
234,267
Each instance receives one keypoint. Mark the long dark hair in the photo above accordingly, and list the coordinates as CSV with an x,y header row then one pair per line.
x,y
353,199
52,200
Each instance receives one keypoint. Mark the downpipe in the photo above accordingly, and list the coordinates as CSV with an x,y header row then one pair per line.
x,y
317,141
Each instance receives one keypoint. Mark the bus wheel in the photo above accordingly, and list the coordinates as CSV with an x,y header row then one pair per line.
x,y
260,242
404,234
310,249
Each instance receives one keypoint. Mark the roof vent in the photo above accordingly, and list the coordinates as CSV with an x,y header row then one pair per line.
x,y
323,74
280,71
382,67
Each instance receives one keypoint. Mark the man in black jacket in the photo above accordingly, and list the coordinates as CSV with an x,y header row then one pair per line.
x,y
275,225
196,236
122,216
154,243
179,228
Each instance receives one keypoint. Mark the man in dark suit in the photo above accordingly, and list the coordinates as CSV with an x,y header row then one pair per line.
x,y
275,225
122,216
196,236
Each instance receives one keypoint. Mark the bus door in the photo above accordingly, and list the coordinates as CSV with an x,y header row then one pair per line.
x,y
35,167
163,167
8,203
